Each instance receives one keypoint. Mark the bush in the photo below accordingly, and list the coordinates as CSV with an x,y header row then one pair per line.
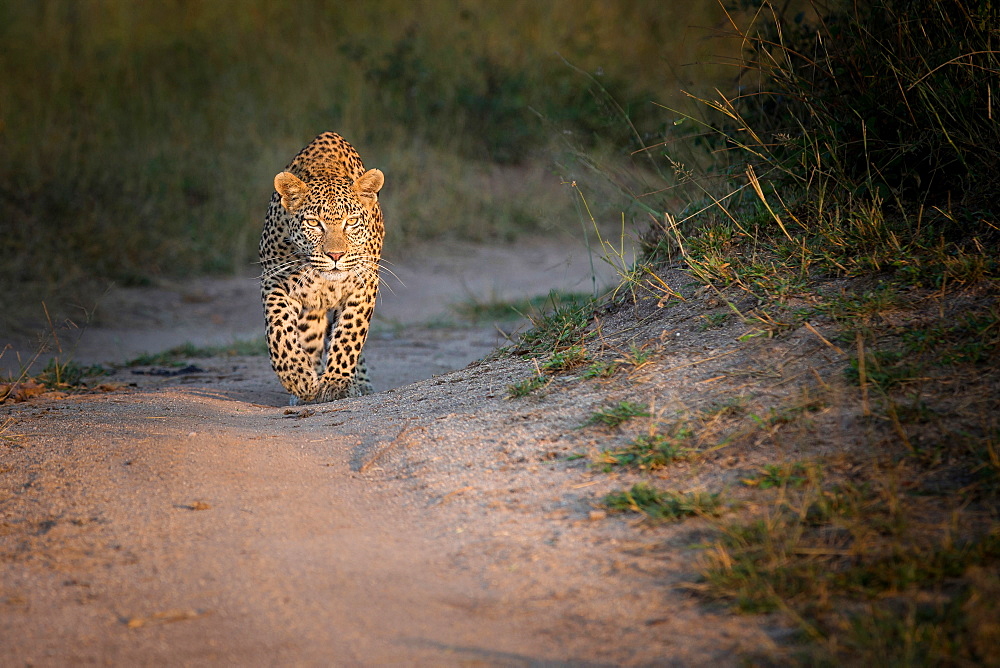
x,y
862,142
896,97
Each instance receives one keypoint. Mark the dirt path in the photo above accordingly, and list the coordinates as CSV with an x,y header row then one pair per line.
x,y
196,520
416,332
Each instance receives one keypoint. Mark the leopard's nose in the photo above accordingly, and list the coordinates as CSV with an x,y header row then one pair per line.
x,y
334,256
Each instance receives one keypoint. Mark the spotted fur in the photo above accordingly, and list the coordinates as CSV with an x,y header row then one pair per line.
x,y
319,251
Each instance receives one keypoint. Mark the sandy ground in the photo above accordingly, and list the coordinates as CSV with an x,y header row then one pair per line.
x,y
195,519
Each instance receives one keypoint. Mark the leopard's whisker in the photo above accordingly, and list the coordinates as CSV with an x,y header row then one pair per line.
x,y
277,269
373,276
367,275
393,274
381,264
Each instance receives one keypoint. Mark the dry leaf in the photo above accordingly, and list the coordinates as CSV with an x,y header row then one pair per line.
x,y
16,392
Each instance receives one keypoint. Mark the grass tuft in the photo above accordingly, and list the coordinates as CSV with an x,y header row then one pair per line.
x,y
565,360
663,505
67,374
780,475
600,370
649,452
564,327
527,386
614,415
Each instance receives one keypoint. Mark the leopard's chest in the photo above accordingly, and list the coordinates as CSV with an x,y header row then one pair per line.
x,y
316,294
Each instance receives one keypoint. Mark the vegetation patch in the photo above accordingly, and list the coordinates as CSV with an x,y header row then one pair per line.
x,y
177,355
770,476
865,571
787,414
533,308
431,95
894,360
614,415
659,505
649,452
565,360
558,362
558,336
600,370
852,186
637,356
564,327
527,386
57,375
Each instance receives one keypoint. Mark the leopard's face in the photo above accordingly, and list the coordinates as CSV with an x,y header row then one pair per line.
x,y
335,238
334,225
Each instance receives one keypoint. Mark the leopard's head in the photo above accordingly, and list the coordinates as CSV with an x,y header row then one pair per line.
x,y
335,223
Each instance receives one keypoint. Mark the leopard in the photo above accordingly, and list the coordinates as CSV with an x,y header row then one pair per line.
x,y
320,251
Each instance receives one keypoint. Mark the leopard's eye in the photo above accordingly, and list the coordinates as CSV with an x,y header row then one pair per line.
x,y
353,221
311,222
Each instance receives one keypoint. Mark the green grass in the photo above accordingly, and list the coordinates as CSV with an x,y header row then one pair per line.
x,y
973,339
600,370
492,311
616,414
853,191
637,357
558,362
714,321
564,327
731,406
844,163
893,360
176,355
659,505
525,387
68,373
837,193
770,476
57,375
532,308
649,452
788,414
565,360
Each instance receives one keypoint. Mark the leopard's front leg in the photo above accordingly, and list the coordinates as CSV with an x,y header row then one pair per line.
x,y
346,374
294,342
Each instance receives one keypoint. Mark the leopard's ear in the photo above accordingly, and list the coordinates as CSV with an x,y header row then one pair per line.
x,y
292,190
369,183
